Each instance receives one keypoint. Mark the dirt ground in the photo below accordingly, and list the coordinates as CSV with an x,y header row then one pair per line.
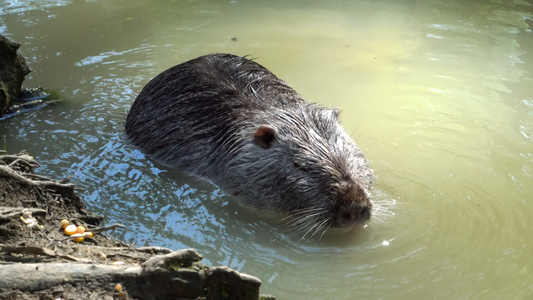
x,y
39,261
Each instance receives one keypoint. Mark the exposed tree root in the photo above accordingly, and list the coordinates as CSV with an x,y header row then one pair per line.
x,y
177,275
7,171
38,261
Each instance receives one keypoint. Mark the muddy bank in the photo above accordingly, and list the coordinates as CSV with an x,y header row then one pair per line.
x,y
39,261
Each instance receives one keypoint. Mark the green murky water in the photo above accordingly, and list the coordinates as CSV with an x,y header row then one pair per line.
x,y
439,94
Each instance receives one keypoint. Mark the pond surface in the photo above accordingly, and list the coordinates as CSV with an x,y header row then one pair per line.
x,y
438,94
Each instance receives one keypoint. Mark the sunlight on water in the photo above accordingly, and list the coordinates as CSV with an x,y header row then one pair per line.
x,y
438,94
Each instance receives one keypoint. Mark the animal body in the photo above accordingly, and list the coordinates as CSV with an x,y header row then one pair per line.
x,y
228,119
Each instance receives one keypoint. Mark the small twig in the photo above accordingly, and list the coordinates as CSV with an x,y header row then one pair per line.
x,y
35,176
20,162
7,159
123,255
40,251
104,248
28,200
68,238
105,228
9,212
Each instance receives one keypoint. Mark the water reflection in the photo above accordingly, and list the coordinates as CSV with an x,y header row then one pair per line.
x,y
22,6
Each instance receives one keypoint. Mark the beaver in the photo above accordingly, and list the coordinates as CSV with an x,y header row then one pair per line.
x,y
227,119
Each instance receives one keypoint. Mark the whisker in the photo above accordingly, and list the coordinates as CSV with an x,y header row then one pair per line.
x,y
323,223
302,219
299,216
306,224
310,229
326,229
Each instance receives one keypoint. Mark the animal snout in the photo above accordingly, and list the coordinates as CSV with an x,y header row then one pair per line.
x,y
352,215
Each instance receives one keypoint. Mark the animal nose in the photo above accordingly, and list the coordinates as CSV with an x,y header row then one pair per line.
x,y
354,214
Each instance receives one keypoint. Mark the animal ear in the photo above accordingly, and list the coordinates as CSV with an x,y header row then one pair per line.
x,y
264,136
